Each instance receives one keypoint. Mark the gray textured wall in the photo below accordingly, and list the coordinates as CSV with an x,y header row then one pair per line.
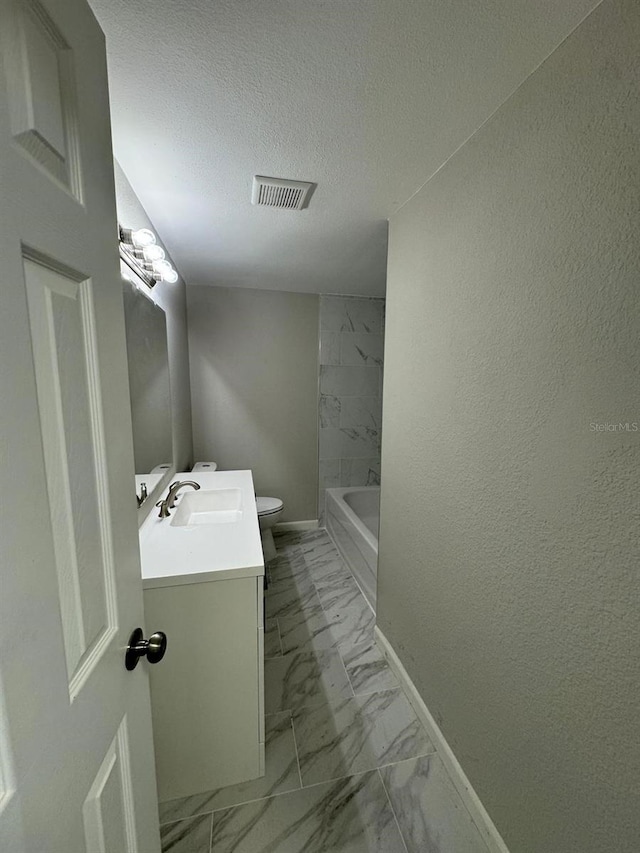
x,y
350,404
509,547
254,386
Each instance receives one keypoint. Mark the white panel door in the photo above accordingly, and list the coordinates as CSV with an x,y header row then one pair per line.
x,y
76,755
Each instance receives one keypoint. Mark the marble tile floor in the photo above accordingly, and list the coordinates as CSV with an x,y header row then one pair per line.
x,y
349,767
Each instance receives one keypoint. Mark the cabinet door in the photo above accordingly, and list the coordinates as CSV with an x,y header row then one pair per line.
x,y
206,697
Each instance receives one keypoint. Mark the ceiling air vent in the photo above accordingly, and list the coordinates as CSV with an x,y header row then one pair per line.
x,y
278,192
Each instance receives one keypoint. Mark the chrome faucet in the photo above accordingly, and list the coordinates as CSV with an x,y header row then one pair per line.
x,y
141,498
170,500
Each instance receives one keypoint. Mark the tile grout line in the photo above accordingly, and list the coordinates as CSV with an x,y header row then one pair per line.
x,y
393,811
272,796
347,571
295,790
368,644
295,745
211,832
346,671
293,726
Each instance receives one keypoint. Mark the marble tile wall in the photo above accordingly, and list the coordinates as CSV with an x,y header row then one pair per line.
x,y
350,402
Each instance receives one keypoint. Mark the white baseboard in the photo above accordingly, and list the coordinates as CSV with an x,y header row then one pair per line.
x,y
469,797
287,526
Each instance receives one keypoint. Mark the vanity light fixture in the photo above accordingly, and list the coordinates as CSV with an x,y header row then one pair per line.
x,y
143,237
161,267
142,254
153,253
170,277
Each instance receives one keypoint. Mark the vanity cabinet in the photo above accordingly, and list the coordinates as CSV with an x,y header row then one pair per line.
x,y
207,696
203,586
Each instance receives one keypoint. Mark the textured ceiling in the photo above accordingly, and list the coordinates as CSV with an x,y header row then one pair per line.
x,y
367,98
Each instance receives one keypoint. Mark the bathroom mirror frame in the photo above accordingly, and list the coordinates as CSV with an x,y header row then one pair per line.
x,y
156,490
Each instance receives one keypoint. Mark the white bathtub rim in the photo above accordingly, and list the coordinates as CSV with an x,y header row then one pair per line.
x,y
337,495
360,581
339,518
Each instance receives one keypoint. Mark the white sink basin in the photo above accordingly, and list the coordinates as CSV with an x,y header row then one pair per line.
x,y
217,506
211,534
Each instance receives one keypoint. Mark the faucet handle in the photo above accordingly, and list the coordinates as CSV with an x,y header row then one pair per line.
x,y
143,494
164,509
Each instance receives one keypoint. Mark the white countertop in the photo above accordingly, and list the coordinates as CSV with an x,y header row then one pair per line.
x,y
173,555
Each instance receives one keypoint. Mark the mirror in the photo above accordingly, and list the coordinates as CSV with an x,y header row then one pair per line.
x,y
148,357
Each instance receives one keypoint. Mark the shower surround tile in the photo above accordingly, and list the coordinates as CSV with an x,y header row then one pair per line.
x,y
328,478
351,381
351,314
305,679
281,774
361,441
329,443
330,473
357,734
350,404
361,412
360,472
329,347
346,816
361,348
329,411
430,813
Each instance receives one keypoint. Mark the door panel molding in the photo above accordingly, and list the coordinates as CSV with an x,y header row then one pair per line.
x,y
108,810
42,97
68,388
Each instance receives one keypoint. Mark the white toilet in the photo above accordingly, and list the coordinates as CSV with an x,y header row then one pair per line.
x,y
204,467
269,512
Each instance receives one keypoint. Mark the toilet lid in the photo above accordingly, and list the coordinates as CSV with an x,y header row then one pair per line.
x,y
267,506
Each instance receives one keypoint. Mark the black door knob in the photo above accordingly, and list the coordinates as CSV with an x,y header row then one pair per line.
x,y
153,648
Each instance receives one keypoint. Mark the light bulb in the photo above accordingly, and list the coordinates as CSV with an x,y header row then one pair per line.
x,y
143,237
153,252
161,267
171,276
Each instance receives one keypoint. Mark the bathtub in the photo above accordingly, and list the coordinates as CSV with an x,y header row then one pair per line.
x,y
352,517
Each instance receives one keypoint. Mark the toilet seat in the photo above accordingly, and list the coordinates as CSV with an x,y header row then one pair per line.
x,y
268,506
201,467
